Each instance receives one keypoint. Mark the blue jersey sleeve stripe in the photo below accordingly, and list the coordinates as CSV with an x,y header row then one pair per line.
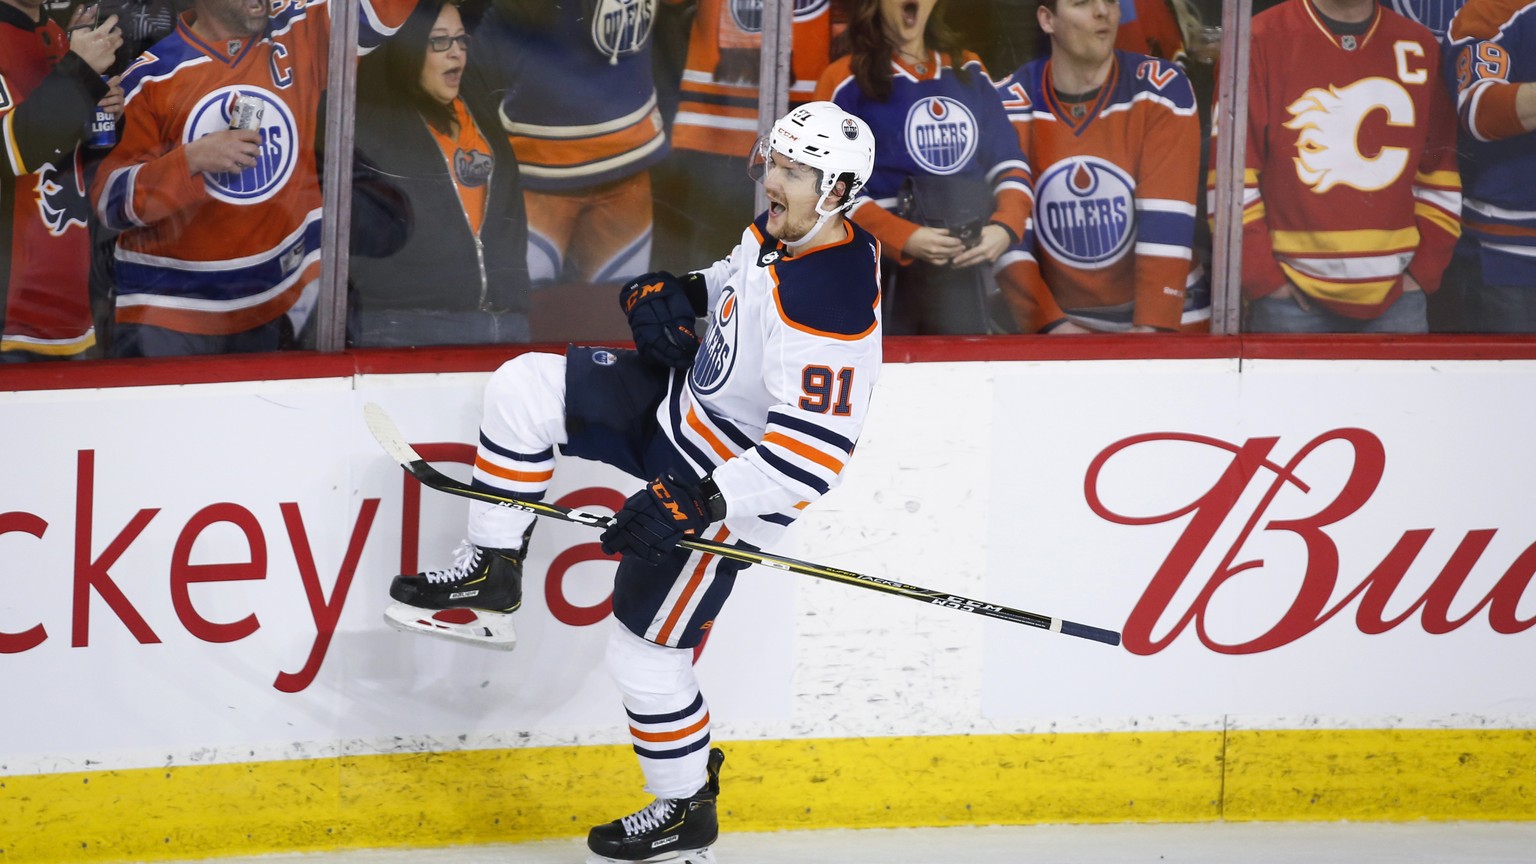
x,y
806,427
799,475
483,486
541,456
741,439
1153,226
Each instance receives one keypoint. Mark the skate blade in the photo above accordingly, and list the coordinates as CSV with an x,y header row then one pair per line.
x,y
473,626
684,856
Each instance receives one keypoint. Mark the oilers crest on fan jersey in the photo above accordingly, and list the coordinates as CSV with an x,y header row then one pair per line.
x,y
621,27
1084,209
279,143
941,134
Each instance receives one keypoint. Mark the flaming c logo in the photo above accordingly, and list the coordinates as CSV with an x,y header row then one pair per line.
x,y
1329,120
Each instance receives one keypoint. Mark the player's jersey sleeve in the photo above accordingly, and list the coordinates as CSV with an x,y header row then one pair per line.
x,y
1480,66
1017,270
1007,169
1166,187
1436,190
822,356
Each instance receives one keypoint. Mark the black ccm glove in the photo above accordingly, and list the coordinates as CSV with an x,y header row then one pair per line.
x,y
657,517
661,317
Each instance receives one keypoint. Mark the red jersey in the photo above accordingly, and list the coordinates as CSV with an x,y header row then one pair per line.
x,y
1351,177
46,98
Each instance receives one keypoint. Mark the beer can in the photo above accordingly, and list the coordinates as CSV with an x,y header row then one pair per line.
x,y
245,112
101,131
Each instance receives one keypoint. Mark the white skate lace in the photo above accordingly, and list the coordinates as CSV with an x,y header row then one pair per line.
x,y
652,816
465,557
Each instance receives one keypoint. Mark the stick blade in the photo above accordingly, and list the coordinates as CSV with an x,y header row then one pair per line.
x,y
388,435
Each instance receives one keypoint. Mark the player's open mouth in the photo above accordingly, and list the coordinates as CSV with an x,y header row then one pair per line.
x,y
775,208
909,14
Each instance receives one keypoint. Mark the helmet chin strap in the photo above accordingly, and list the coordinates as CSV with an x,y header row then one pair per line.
x,y
815,229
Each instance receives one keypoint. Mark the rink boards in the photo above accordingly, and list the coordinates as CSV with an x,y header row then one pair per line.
x,y
1321,568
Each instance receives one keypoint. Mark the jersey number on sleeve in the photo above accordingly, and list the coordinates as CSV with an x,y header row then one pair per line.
x,y
818,382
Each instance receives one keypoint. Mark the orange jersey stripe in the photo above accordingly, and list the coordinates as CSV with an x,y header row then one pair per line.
x,y
694,579
715,443
515,476
803,449
565,152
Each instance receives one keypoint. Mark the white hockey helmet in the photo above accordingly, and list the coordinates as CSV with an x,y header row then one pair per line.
x,y
827,138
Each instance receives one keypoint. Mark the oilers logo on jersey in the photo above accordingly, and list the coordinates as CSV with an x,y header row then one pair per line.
x,y
748,14
279,144
712,367
941,134
1084,208
621,27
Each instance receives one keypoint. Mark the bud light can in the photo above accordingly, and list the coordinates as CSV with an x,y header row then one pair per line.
x,y
245,112
101,131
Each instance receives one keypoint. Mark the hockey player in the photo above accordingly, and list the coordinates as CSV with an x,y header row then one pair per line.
x,y
1113,144
734,436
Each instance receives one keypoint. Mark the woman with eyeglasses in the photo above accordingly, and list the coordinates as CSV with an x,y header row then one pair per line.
x,y
427,133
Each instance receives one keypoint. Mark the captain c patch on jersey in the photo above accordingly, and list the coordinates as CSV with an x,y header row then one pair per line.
x,y
1084,211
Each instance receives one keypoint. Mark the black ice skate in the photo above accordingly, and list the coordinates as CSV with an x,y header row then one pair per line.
x,y
471,601
676,830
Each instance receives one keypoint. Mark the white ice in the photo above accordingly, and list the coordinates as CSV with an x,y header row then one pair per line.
x,y
1211,843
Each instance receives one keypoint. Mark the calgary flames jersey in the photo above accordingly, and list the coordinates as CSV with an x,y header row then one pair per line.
x,y
1491,52
1115,185
1351,176
44,105
224,253
778,394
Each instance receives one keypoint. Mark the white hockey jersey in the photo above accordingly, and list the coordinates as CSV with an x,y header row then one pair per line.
x,y
777,397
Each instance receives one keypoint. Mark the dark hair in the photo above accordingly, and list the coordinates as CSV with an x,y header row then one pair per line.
x,y
401,59
871,48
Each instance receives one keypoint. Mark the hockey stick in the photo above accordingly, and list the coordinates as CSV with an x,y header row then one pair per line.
x,y
394,444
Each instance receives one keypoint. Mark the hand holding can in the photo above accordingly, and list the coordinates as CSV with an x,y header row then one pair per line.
x,y
245,112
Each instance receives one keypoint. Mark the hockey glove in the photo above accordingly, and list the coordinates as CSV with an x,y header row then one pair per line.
x,y
654,519
661,317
